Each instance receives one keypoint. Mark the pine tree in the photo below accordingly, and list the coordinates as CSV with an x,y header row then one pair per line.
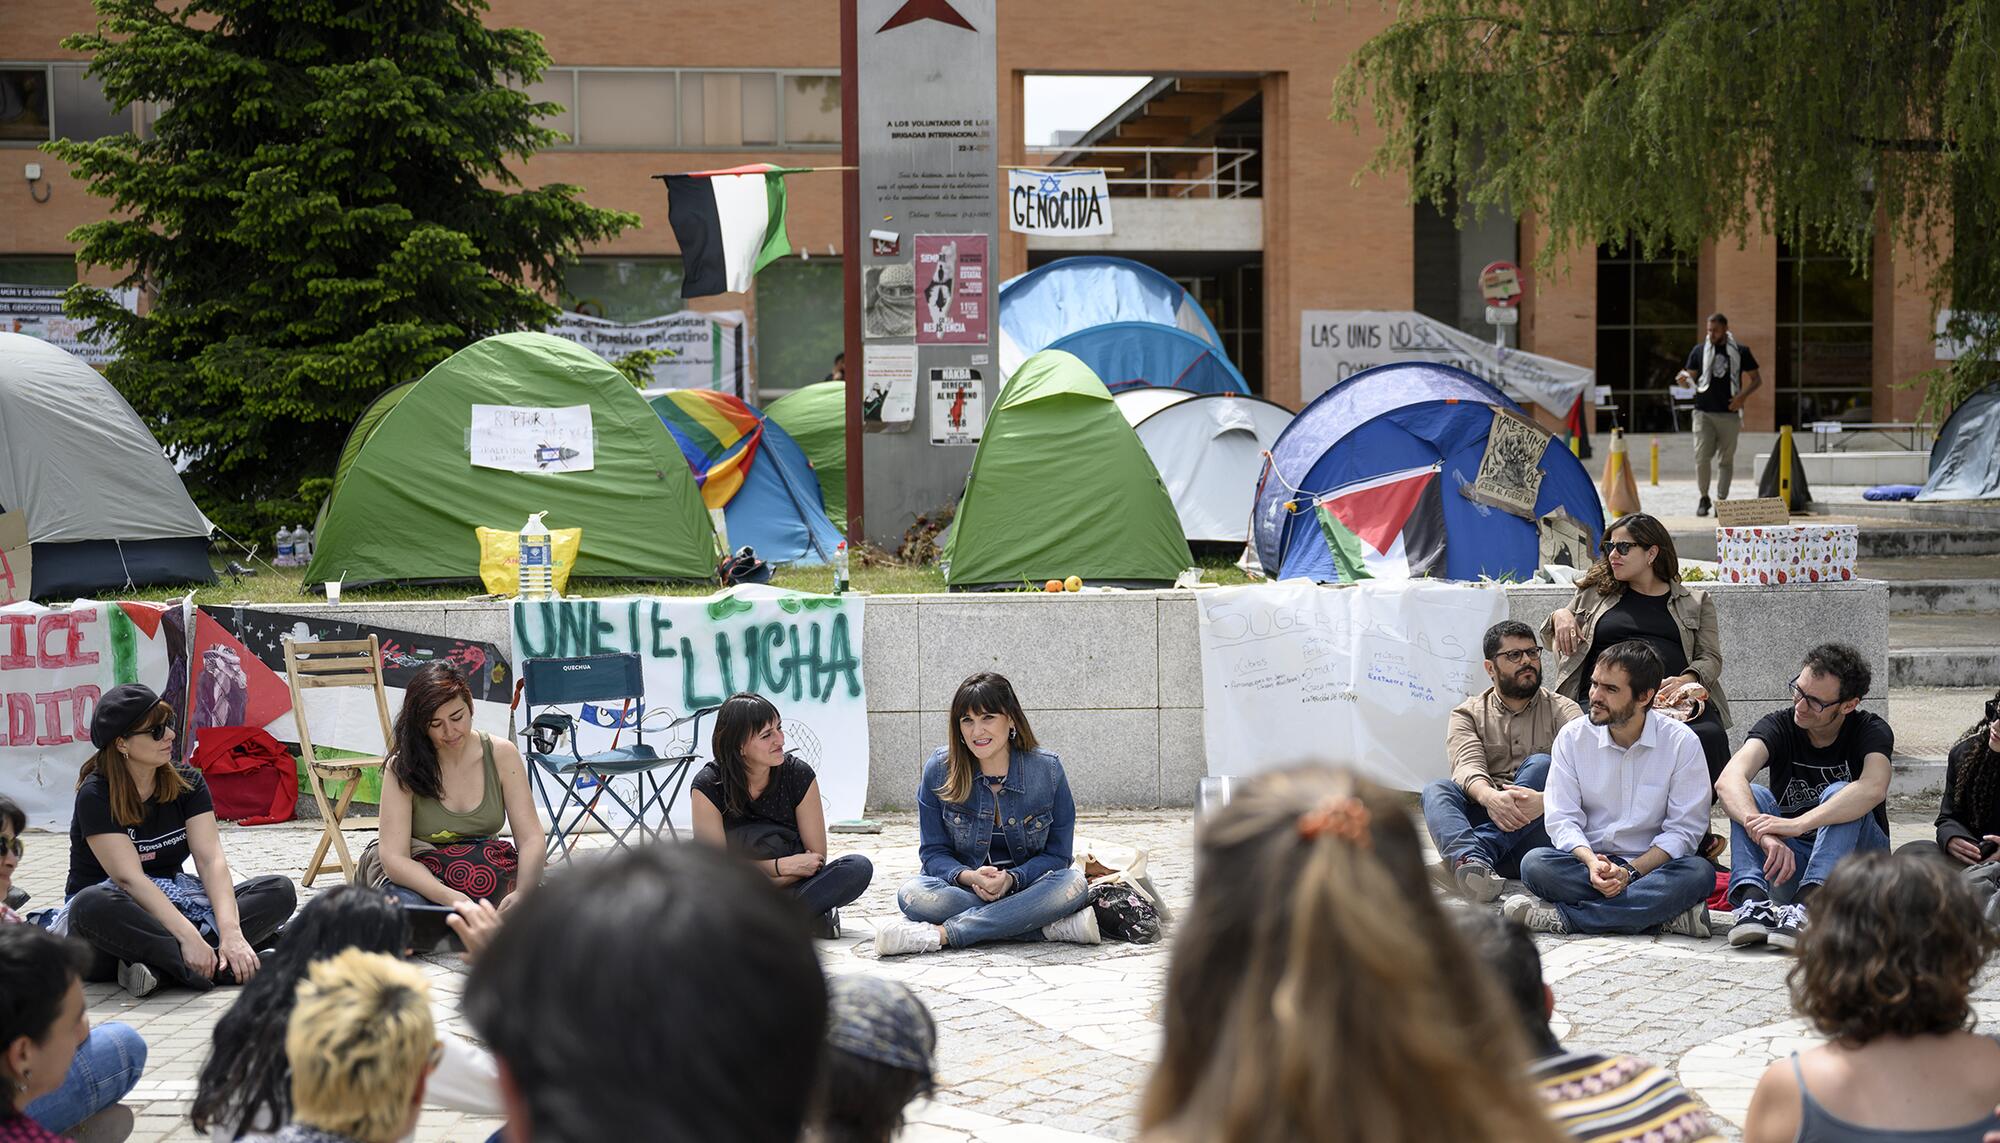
x,y
322,209
1667,122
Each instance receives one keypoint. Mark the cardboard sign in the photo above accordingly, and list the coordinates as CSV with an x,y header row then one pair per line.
x,y
1751,513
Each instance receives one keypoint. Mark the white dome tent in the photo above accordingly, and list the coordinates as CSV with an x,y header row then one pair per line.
x,y
1209,449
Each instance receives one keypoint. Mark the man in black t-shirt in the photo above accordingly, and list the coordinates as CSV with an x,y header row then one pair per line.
x,y
1827,798
1724,374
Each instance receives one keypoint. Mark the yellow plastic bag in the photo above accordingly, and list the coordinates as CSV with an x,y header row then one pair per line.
x,y
500,558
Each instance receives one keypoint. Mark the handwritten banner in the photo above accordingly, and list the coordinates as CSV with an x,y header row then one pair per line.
x,y
1361,676
1068,204
55,663
524,438
1336,344
803,652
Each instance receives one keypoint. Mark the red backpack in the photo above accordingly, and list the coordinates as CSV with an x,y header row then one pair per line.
x,y
251,778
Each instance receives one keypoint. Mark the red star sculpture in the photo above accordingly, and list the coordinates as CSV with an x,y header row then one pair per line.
x,y
915,10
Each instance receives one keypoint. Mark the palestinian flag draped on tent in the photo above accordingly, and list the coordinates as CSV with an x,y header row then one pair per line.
x,y
729,223
1386,527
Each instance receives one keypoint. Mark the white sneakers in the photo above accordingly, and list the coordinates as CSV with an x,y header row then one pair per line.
x,y
901,938
137,979
1079,928
1692,923
1538,916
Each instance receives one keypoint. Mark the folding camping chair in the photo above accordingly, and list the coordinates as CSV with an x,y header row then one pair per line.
x,y
584,779
334,663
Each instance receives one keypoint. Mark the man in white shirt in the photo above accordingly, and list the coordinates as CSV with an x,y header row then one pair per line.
x,y
1626,807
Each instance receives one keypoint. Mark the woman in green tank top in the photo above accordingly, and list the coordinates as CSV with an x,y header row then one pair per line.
x,y
454,788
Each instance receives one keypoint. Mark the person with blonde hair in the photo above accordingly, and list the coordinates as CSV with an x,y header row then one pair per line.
x,y
362,1046
1318,994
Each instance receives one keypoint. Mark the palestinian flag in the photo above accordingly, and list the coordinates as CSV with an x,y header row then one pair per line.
x,y
730,224
1386,527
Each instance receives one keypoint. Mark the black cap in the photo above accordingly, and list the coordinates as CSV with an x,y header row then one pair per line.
x,y
119,710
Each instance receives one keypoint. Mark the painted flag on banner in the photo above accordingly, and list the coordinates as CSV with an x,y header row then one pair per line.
x,y
730,224
1386,527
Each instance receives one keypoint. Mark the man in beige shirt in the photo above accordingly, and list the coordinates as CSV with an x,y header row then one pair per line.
x,y
1489,812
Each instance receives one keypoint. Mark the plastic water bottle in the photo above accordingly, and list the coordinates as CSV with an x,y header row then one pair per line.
x,y
302,545
537,560
285,556
840,581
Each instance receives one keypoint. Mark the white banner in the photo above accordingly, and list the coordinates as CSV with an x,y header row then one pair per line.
x,y
803,652
527,438
1336,344
1067,204
37,311
1361,677
958,407
55,663
708,349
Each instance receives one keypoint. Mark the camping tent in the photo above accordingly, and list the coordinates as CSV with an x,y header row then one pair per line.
x,y
1126,354
1061,486
102,504
1396,418
753,471
1965,461
408,492
1070,294
816,419
1209,451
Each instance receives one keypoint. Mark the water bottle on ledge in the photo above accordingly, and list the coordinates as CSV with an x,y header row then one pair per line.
x,y
840,580
537,568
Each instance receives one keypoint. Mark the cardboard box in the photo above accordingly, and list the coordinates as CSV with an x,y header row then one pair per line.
x,y
1789,553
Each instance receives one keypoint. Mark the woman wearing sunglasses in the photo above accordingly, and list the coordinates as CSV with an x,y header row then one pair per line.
x,y
1634,591
138,819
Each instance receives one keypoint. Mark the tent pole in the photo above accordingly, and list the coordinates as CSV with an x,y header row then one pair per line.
x,y
850,237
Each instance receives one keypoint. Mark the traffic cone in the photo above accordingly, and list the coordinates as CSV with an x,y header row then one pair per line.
x,y
1619,491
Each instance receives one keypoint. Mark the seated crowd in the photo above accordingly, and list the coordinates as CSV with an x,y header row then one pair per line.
x,y
1318,988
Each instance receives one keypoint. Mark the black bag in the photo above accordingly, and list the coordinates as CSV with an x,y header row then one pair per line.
x,y
1123,915
743,567
765,840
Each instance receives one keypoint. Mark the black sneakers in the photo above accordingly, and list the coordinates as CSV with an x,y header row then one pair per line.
x,y
1754,921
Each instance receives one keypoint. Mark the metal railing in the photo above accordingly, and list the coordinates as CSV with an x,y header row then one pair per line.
x,y
1222,175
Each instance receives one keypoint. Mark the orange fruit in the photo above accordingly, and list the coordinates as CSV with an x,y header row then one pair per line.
x,y
1053,585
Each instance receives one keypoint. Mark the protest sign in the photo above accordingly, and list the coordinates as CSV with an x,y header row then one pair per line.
x,y
523,438
1066,204
707,349
37,311
1336,344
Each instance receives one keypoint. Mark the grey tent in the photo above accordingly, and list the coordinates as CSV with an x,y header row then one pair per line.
x,y
103,506
1965,461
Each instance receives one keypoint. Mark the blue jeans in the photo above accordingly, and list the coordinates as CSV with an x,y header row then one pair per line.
x,y
104,1069
1560,879
1019,916
1462,828
1813,856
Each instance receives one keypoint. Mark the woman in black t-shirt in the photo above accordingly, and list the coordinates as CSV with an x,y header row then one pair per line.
x,y
758,801
138,818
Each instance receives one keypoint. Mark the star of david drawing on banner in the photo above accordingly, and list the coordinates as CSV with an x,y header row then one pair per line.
x,y
1051,185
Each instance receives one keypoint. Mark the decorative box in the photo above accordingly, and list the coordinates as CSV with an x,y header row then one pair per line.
x,y
1787,553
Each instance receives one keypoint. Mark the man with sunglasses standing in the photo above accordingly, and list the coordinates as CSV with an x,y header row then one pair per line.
x,y
1488,814
1828,796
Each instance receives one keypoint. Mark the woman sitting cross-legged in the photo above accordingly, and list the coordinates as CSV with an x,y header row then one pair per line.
x,y
138,819
763,804
996,823
447,793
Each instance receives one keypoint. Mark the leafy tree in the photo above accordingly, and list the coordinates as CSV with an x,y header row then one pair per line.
x,y
1664,122
322,209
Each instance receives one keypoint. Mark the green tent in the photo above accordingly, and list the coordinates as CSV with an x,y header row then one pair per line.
x,y
407,496
1061,486
816,417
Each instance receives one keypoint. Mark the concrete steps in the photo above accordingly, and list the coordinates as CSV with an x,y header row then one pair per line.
x,y
1954,649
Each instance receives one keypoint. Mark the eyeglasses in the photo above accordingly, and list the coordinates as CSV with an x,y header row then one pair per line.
x,y
1993,710
1622,547
1819,705
1516,658
12,845
156,733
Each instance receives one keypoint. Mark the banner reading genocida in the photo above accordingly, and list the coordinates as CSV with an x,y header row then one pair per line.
x,y
1068,204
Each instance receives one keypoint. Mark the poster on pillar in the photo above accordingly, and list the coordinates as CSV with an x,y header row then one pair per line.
x,y
1336,344
926,108
802,652
888,387
55,663
1361,676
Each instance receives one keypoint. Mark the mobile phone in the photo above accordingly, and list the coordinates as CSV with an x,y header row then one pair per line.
x,y
428,932
1987,849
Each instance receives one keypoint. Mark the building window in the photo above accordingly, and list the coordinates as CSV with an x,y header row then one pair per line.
x,y
801,308
664,109
39,102
1447,254
1647,320
1825,367
58,272
623,289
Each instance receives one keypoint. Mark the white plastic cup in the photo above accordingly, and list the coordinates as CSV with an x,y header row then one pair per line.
x,y
333,593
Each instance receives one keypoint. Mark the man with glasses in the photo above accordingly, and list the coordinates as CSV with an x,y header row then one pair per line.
x,y
1828,796
1489,812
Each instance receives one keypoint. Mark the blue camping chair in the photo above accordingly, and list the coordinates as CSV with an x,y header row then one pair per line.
x,y
584,779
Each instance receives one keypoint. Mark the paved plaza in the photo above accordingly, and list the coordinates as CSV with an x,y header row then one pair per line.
x,y
1054,1042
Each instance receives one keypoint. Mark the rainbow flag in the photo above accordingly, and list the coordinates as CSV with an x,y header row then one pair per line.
x,y
717,433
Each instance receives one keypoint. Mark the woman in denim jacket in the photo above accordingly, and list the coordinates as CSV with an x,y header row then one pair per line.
x,y
996,824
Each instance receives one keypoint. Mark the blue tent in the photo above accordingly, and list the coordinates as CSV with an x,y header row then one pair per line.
x,y
1071,294
1128,353
777,509
1396,417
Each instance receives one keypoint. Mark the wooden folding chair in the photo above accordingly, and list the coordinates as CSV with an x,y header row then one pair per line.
x,y
334,663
